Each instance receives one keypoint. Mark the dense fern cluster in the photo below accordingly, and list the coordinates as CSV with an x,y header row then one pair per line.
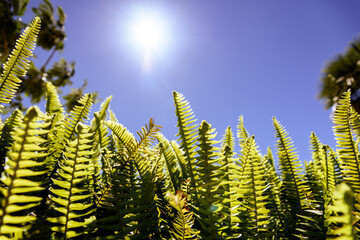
x,y
64,176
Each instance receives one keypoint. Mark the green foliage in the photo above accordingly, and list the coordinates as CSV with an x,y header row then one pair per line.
x,y
51,39
342,74
65,176
18,62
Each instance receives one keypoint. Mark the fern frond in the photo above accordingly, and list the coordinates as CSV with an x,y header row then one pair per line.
x,y
71,194
270,157
252,189
184,219
171,165
53,104
294,186
227,149
125,137
18,63
6,140
347,148
78,115
273,191
187,133
180,158
104,107
242,133
20,184
341,222
209,202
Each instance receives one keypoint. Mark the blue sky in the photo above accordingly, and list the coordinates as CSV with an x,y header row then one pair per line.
x,y
258,59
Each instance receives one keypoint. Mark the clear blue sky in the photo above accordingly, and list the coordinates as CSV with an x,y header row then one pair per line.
x,y
258,59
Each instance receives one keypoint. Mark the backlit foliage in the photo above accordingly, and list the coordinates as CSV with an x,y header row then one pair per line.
x,y
71,177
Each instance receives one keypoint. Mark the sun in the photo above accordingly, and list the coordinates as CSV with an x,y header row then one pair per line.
x,y
148,32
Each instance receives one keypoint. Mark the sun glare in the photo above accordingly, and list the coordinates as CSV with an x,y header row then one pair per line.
x,y
148,35
148,32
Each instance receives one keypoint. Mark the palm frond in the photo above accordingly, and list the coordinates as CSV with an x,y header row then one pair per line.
x,y
18,63
20,184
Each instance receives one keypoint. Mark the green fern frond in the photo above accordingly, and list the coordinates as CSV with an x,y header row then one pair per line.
x,y
120,206
341,222
270,157
252,191
71,193
209,202
227,149
347,148
125,138
20,184
104,107
180,158
78,115
355,122
18,63
294,188
171,165
187,133
273,191
242,133
53,104
148,134
101,137
184,220
6,140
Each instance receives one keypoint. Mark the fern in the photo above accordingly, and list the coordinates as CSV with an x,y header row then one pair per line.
x,y
18,63
242,133
341,222
276,209
348,150
171,165
19,188
180,158
77,115
187,134
71,195
53,104
101,143
209,201
227,149
294,188
252,186
6,139
184,219
137,208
